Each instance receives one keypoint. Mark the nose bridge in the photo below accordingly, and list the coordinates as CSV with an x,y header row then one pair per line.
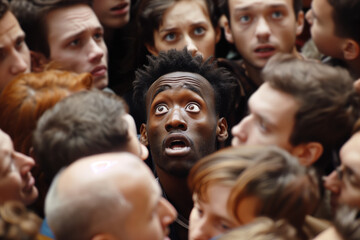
x,y
190,44
202,229
18,64
241,127
167,212
96,52
308,16
262,27
23,163
332,182
176,119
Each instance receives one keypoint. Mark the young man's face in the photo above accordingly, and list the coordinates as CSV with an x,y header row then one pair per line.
x,y
76,42
151,214
323,28
182,124
186,23
14,53
211,218
16,181
261,28
270,120
345,182
112,13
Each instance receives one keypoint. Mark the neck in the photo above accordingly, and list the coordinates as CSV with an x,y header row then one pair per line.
x,y
177,192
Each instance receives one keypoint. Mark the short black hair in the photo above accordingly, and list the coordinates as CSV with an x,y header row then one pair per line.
x,y
220,79
4,7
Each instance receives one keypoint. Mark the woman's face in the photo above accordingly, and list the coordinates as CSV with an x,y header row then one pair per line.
x,y
212,218
186,23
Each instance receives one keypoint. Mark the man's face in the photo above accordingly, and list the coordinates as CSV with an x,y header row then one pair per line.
x,y
151,213
14,53
345,182
76,42
16,181
134,145
270,120
187,23
181,121
112,13
261,28
323,28
212,218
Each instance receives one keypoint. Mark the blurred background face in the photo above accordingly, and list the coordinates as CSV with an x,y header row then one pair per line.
x,y
112,13
16,181
76,42
186,23
14,53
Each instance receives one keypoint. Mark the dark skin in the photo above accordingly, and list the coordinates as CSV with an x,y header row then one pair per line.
x,y
182,127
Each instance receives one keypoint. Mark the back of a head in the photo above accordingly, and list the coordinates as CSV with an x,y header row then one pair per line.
x,y
327,101
17,223
83,124
101,178
262,228
345,16
29,95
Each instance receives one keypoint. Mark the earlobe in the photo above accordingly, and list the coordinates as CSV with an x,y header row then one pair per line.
x,y
222,130
38,61
350,49
227,31
143,133
300,23
152,49
308,153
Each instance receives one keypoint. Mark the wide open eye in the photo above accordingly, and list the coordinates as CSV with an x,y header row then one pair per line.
x,y
161,109
192,107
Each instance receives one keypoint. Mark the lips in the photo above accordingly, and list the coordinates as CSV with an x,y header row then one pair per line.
x,y
177,145
99,71
120,9
265,51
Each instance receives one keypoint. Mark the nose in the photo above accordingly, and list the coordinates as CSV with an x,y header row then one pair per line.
x,y
200,229
167,213
19,65
96,51
191,46
175,120
239,132
309,17
23,163
332,182
262,30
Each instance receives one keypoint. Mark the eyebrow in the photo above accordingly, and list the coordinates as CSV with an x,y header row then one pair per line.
x,y
167,87
247,8
79,34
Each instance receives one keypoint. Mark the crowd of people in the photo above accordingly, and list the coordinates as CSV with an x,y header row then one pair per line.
x,y
179,119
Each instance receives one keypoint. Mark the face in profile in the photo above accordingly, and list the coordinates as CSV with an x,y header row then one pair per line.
x,y
182,124
323,28
16,181
76,42
211,218
186,23
14,53
112,13
259,29
270,120
344,182
151,213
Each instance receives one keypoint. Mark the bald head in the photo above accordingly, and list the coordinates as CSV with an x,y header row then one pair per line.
x,y
92,194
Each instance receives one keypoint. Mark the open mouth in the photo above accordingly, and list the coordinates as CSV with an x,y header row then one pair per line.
x,y
177,145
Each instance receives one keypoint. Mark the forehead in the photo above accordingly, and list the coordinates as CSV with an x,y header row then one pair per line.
x,y
69,20
9,25
181,80
234,4
179,8
350,152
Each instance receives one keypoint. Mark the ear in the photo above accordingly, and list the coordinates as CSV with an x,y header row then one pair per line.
x,y
143,133
308,153
350,49
152,49
217,34
221,130
104,236
38,61
227,31
300,23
